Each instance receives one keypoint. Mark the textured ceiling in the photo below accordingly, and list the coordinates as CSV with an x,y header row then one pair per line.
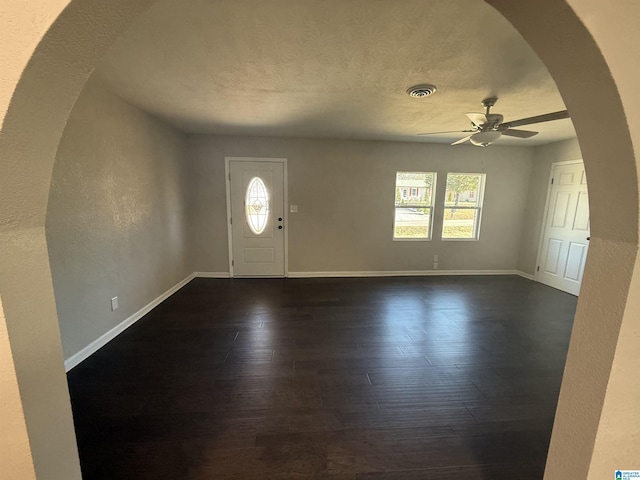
x,y
330,68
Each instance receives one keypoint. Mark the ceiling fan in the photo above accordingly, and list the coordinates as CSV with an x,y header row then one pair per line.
x,y
488,127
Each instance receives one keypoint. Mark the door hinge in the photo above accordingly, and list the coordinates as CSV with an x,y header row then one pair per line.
x,y
538,269
231,220
233,263
229,176
552,181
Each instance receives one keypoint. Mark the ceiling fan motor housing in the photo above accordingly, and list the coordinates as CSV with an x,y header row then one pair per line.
x,y
493,120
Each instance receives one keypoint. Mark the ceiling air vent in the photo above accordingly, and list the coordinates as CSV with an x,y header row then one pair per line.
x,y
420,91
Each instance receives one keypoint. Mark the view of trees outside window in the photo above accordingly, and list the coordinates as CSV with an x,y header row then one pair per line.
x,y
462,205
413,205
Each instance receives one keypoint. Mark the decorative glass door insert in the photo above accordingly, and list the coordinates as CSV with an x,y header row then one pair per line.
x,y
257,205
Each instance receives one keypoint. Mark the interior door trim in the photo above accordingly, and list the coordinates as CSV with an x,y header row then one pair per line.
x,y
227,182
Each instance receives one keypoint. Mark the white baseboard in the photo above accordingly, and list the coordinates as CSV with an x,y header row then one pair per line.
x,y
212,275
528,276
100,342
401,273
380,273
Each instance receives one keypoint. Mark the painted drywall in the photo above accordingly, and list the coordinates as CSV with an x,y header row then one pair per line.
x,y
37,93
617,441
16,15
345,194
116,223
543,158
14,441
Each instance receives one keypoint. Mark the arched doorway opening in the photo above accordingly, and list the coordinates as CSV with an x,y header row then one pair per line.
x,y
40,102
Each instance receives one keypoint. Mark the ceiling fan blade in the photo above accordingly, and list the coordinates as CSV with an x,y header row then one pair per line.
x,y
462,140
547,117
518,133
450,131
477,118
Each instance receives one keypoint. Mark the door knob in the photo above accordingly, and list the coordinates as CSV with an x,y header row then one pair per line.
x,y
588,238
279,227
279,219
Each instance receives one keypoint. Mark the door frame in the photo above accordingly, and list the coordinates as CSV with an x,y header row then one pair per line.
x,y
546,211
227,176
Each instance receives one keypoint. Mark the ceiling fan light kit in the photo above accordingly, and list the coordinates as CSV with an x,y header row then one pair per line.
x,y
484,139
486,128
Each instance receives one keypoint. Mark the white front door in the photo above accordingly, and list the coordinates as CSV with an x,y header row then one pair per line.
x,y
565,237
256,197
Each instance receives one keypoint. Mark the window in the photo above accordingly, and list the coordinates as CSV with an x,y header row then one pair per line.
x,y
414,205
463,206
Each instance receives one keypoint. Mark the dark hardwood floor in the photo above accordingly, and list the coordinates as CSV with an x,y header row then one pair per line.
x,y
371,379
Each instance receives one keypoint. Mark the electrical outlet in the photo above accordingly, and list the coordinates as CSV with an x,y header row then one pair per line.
x,y
435,265
114,303
435,259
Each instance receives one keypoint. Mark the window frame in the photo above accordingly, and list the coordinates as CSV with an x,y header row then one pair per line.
x,y
430,207
479,208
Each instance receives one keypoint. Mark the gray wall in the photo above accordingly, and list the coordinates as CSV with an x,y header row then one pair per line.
x,y
345,193
543,157
116,222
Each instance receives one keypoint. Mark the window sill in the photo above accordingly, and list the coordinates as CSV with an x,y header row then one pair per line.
x,y
411,239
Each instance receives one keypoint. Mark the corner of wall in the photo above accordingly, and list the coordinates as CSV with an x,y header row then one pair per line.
x,y
118,214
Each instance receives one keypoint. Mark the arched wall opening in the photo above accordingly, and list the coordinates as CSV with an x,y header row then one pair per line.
x,y
41,98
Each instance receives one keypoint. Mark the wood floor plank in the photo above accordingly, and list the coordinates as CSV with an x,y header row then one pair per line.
x,y
329,379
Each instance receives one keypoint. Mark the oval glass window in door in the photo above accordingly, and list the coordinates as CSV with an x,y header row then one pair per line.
x,y
257,205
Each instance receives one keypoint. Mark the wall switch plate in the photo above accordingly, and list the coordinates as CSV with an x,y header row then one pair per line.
x,y
435,259
114,303
435,265
293,208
